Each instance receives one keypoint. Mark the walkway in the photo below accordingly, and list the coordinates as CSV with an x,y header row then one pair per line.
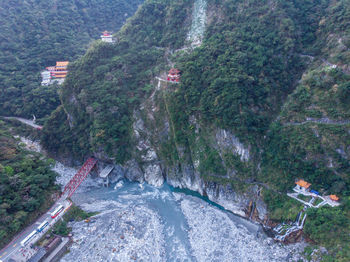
x,y
106,171
284,230
310,203
325,199
172,82
324,120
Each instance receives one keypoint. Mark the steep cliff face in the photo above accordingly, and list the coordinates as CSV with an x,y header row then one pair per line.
x,y
157,158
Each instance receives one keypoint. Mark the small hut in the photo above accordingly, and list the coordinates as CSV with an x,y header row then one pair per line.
x,y
334,198
302,186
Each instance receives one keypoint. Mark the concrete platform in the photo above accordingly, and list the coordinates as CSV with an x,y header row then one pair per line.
x,y
106,171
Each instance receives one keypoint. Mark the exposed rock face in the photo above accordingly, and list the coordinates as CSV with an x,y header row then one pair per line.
x,y
184,178
133,171
199,19
148,166
237,202
294,237
225,140
153,174
226,197
149,162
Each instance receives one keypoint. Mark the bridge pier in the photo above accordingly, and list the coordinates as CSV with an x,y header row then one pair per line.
x,y
106,182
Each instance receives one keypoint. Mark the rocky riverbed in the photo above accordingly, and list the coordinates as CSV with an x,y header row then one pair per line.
x,y
140,222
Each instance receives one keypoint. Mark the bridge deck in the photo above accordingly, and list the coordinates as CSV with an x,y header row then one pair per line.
x,y
106,171
79,177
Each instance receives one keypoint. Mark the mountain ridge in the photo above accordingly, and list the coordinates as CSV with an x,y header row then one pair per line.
x,y
36,33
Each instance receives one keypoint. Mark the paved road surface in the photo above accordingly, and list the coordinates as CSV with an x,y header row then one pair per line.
x,y
25,121
14,248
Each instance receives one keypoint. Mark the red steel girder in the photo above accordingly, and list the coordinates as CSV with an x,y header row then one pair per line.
x,y
79,177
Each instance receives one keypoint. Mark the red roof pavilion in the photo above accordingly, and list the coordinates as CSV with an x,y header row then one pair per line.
x,y
174,75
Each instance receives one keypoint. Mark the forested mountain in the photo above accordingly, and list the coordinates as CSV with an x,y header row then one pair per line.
x,y
263,100
35,34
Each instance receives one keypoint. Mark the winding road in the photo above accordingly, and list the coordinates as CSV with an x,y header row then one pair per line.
x,y
25,121
14,248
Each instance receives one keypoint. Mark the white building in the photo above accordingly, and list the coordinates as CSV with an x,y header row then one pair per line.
x,y
46,78
107,37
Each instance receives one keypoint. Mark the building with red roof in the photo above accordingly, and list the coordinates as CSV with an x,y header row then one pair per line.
x,y
174,75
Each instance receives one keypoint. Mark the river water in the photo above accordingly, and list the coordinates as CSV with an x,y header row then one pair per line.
x,y
139,222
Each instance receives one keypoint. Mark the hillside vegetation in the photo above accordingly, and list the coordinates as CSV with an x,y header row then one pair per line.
x,y
273,73
110,81
26,184
36,33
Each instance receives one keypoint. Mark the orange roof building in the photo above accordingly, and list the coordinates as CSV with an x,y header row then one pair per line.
x,y
334,197
60,74
303,183
62,64
56,73
60,69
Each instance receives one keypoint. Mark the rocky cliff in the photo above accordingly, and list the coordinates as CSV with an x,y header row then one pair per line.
x,y
152,131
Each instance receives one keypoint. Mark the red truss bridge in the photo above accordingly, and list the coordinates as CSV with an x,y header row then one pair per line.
x,y
79,177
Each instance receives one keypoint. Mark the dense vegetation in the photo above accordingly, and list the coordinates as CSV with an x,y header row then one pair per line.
x,y
244,78
246,66
26,184
311,137
330,227
110,80
36,33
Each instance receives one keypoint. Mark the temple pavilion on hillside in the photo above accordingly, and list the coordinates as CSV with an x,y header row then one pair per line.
x,y
55,73
174,75
334,198
60,70
107,37
302,186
